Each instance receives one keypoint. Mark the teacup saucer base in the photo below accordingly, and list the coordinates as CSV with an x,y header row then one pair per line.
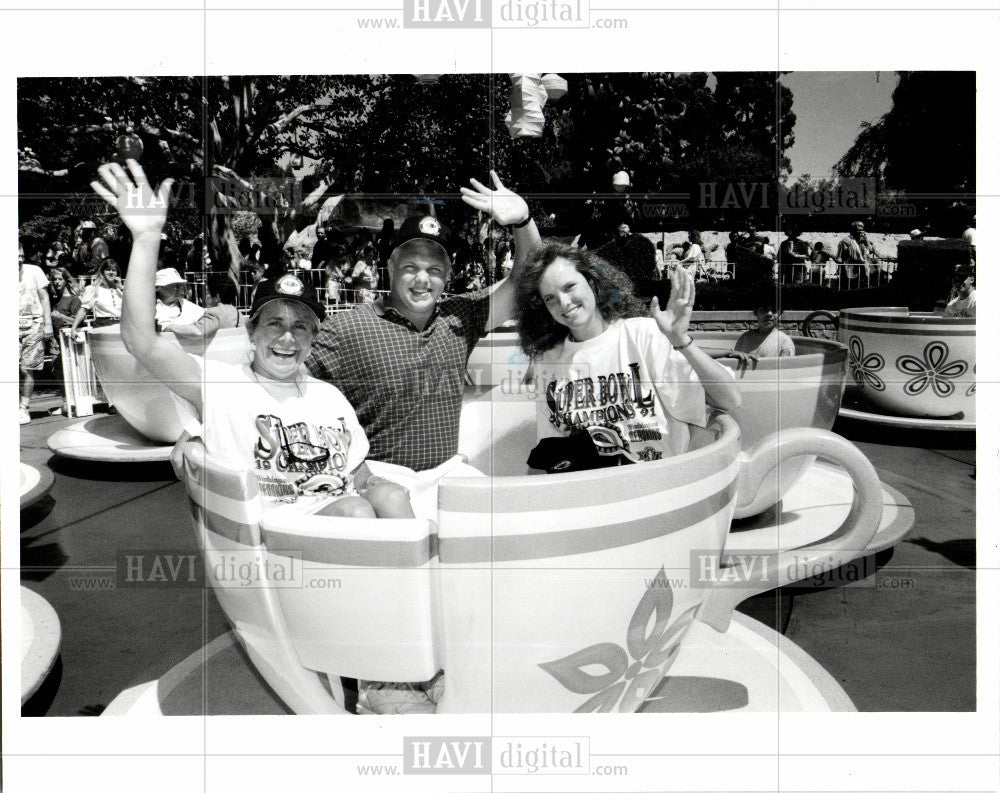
x,y
857,408
41,636
813,508
35,484
107,439
749,667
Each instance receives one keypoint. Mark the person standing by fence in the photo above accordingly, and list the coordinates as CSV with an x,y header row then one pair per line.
x,y
34,327
827,266
793,257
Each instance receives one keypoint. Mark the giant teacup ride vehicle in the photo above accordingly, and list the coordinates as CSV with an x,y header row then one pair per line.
x,y
148,422
519,586
908,369
778,394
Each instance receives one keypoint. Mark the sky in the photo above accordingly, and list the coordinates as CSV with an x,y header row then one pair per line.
x,y
829,108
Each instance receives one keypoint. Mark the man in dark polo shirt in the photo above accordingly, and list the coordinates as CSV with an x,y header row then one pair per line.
x,y
401,361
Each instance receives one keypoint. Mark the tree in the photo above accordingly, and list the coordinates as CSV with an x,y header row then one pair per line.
x,y
210,135
229,141
926,143
757,115
67,127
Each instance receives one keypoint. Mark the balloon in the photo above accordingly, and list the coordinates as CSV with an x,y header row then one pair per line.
x,y
129,146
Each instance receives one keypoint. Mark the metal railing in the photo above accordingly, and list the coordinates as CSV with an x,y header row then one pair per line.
x,y
839,277
833,275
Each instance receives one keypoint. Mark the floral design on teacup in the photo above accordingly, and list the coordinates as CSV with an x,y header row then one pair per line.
x,y
971,391
933,370
863,367
627,685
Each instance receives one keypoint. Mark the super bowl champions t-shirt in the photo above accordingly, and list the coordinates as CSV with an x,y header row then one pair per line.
x,y
294,436
627,387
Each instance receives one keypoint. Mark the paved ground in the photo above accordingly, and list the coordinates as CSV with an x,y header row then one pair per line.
x,y
905,639
902,639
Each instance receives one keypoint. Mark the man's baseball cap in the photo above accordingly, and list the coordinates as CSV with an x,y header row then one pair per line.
x,y
168,276
422,227
287,286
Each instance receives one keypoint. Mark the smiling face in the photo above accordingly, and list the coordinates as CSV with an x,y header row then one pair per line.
x,y
570,300
282,335
110,276
419,272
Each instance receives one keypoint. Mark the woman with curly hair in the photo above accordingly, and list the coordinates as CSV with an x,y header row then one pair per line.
x,y
635,382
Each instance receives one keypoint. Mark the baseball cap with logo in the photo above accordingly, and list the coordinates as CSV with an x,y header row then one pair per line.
x,y
287,286
423,227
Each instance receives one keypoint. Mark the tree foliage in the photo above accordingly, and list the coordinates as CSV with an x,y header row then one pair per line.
x,y
392,135
926,142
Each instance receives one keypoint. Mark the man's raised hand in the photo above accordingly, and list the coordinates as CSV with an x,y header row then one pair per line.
x,y
142,210
503,205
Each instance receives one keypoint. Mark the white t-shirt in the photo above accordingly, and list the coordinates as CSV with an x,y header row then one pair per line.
x,y
31,282
184,314
962,306
292,435
775,344
628,387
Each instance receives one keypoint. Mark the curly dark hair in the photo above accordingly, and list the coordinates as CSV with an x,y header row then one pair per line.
x,y
612,290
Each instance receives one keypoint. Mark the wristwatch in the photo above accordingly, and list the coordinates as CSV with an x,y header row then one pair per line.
x,y
522,224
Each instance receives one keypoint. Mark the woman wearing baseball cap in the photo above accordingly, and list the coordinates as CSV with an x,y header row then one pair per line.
x,y
298,435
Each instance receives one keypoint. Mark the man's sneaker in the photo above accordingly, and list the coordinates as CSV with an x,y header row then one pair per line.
x,y
23,416
392,698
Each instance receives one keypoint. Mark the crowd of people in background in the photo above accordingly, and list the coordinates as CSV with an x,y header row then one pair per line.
x,y
349,267
355,264
78,269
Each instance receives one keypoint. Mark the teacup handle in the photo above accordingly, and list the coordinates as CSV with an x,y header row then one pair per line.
x,y
784,567
807,322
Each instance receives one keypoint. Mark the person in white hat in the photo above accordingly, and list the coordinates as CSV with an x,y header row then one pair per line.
x,y
171,304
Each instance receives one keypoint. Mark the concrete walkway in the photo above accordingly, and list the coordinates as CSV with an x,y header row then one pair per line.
x,y
902,639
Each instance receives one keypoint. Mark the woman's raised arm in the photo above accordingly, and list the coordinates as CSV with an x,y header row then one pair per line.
x,y
720,387
144,212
